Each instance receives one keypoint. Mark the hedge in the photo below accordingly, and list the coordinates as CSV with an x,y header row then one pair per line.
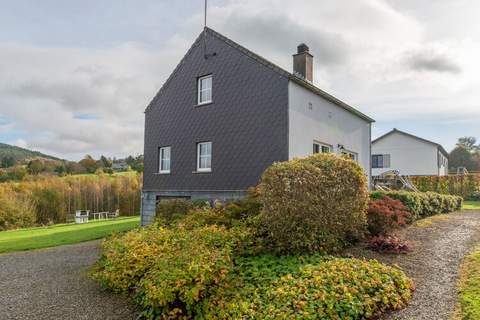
x,y
423,204
467,186
314,204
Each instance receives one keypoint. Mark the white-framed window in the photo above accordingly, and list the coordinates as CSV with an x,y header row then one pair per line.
x,y
442,160
380,161
350,154
204,156
204,88
319,147
164,155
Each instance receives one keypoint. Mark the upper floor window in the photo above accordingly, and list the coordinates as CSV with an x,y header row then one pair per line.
x,y
321,148
164,159
204,88
380,161
204,156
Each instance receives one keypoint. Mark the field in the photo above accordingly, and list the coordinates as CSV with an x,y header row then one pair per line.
x,y
42,237
471,205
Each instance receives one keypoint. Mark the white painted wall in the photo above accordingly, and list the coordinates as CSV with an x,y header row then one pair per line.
x,y
313,118
408,155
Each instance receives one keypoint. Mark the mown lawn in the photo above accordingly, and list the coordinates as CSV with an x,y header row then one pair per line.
x,y
43,237
469,288
471,205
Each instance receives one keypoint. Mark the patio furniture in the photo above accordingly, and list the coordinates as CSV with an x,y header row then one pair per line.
x,y
113,214
99,215
81,216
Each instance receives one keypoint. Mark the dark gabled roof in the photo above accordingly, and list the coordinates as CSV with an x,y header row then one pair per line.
x,y
272,66
445,153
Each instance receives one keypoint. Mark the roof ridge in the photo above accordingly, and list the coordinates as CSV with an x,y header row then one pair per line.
x,y
290,75
267,63
412,136
165,84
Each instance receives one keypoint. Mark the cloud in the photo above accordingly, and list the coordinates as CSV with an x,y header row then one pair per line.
x,y
279,33
433,62
71,100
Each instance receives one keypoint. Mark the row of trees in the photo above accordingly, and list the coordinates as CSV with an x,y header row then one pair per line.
x,y
465,154
50,199
61,168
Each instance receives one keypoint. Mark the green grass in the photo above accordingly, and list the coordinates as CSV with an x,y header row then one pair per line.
x,y
471,205
43,237
469,288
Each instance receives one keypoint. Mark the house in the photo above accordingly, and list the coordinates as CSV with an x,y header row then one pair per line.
x,y
225,114
120,166
409,154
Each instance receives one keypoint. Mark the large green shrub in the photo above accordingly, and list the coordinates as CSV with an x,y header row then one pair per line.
x,y
423,204
198,268
169,269
315,204
311,287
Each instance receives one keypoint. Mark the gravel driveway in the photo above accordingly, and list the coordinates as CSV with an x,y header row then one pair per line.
x,y
433,264
53,284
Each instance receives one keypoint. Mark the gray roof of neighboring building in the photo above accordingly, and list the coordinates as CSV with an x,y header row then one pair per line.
x,y
274,67
440,147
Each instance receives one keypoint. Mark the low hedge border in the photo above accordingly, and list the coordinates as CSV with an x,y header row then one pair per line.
x,y
422,204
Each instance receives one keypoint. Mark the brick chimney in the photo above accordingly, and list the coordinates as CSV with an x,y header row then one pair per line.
x,y
303,63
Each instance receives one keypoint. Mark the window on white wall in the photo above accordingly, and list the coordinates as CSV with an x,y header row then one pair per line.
x,y
319,147
204,156
350,154
164,154
204,87
443,161
380,161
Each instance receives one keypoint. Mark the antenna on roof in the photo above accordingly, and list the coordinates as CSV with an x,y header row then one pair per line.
x,y
205,54
205,31
205,16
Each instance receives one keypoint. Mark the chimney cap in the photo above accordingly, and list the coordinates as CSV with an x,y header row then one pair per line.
x,y
302,47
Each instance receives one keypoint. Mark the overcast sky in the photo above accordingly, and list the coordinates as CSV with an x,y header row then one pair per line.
x,y
75,76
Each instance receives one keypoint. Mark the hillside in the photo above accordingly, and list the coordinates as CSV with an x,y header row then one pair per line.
x,y
9,154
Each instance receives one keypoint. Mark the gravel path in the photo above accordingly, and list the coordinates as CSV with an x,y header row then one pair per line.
x,y
53,284
433,264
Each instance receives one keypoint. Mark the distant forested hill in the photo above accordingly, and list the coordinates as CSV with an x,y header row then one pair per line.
x,y
10,155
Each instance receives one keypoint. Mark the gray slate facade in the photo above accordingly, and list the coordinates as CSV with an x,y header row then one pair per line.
x,y
247,123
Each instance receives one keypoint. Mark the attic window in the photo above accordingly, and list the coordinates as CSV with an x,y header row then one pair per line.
x,y
204,88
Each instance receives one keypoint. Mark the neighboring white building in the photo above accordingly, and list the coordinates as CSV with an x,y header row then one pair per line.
x,y
409,154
